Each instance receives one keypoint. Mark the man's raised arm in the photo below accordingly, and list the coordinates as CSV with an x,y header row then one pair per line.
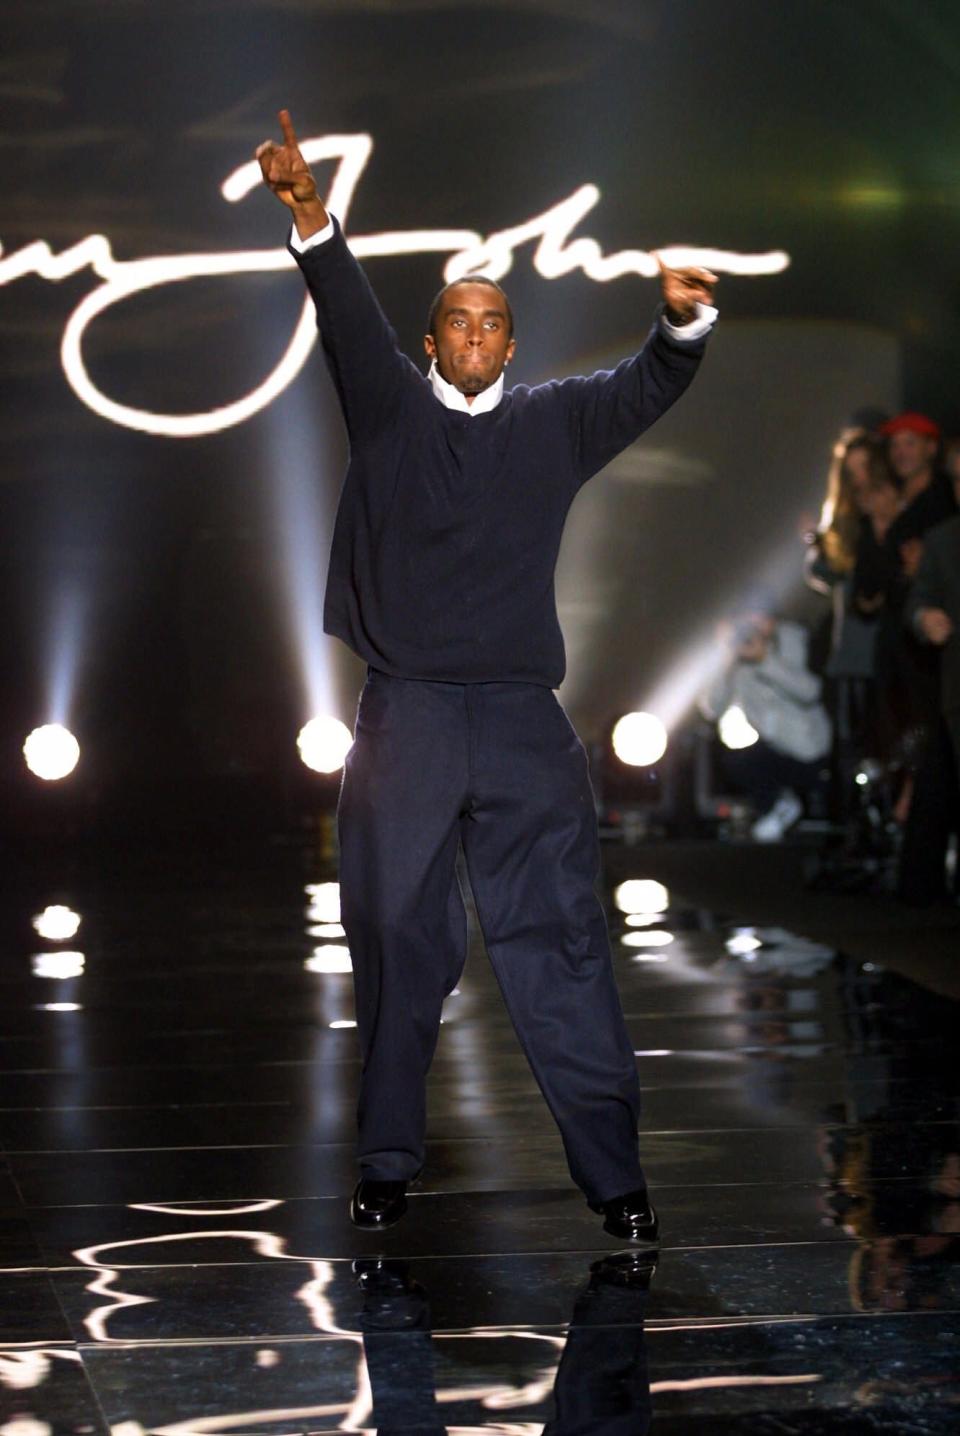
x,y
368,370
611,409
287,173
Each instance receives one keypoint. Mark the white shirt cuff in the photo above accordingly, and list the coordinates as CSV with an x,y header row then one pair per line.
x,y
706,318
322,235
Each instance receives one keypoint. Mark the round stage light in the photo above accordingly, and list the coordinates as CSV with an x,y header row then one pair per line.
x,y
735,729
639,739
57,923
323,744
52,752
641,895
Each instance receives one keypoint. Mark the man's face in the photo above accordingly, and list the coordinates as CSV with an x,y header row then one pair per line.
x,y
472,343
910,453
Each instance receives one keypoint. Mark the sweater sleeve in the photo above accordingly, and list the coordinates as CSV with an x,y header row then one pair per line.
x,y
612,408
368,370
927,590
785,666
715,698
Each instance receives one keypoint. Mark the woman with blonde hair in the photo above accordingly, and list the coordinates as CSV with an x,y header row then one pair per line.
x,y
861,501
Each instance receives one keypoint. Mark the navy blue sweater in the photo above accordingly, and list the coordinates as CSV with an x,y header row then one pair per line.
x,y
449,525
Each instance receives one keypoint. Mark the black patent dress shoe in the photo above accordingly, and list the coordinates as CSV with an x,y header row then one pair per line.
x,y
630,1217
375,1206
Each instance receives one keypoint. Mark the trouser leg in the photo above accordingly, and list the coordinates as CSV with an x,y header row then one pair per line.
x,y
532,851
403,790
952,720
932,818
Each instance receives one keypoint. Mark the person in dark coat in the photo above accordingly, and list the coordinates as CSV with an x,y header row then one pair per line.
x,y
441,578
932,618
907,672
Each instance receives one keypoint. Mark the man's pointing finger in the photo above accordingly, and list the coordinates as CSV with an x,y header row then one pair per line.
x,y
289,134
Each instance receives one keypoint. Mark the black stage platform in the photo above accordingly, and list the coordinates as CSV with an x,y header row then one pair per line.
x,y
176,1126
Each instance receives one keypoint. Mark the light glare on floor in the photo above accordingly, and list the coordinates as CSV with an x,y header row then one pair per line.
x,y
324,902
650,937
332,958
57,964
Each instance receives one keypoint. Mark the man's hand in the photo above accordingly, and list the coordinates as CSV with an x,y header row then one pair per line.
x,y
935,625
287,173
683,290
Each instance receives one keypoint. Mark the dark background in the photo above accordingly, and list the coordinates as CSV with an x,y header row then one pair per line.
x,y
828,129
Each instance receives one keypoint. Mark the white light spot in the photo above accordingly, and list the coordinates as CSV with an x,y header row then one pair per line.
x,y
743,942
735,729
267,1359
51,752
57,964
639,739
324,902
332,958
641,895
323,743
57,1007
650,937
57,923
341,1024
644,919
326,930
25,1426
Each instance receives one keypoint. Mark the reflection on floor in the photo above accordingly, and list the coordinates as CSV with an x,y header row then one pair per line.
x,y
178,1081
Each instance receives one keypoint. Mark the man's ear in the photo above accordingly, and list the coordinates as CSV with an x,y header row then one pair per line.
x,y
430,345
511,350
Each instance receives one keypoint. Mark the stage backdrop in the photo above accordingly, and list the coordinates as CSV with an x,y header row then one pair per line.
x,y
170,453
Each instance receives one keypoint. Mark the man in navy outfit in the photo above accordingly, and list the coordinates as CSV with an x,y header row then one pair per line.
x,y
441,578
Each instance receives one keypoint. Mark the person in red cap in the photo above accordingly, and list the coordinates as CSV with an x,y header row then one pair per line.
x,y
913,448
885,571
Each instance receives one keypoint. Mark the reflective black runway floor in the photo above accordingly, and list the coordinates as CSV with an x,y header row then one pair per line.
x,y
176,1123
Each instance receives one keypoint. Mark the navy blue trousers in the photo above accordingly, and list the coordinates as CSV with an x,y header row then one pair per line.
x,y
497,768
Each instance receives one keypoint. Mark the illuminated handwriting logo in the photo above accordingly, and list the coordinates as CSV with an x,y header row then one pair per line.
x,y
556,254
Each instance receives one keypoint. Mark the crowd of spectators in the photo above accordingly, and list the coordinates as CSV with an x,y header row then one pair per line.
x,y
888,551
878,702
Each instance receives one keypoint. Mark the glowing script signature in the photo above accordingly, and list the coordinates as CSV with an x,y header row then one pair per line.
x,y
556,254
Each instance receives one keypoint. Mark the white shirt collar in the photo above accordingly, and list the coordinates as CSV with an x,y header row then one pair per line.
x,y
450,396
